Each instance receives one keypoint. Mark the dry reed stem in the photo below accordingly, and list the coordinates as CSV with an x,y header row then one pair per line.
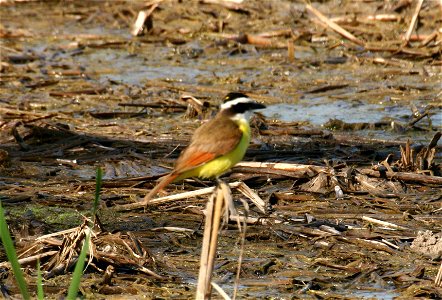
x,y
291,51
413,20
142,17
28,260
241,253
281,166
214,211
383,223
270,168
252,195
241,186
334,26
220,291
438,280
170,198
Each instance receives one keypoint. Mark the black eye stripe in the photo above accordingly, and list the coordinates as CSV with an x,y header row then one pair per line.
x,y
242,107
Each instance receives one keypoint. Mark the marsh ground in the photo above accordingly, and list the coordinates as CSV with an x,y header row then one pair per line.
x,y
79,91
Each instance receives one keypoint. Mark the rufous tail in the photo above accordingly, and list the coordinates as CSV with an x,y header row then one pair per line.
x,y
160,185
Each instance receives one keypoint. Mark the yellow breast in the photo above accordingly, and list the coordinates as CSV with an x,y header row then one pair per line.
x,y
219,165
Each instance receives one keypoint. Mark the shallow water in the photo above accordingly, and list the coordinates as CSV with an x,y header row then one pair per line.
x,y
78,35
323,111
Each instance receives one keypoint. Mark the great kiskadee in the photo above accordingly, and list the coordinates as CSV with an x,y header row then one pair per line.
x,y
217,145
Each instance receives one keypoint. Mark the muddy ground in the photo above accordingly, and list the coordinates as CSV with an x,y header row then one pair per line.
x,y
79,91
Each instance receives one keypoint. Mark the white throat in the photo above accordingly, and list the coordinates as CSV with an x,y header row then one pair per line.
x,y
245,117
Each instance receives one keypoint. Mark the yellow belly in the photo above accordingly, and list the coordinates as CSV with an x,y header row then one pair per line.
x,y
219,165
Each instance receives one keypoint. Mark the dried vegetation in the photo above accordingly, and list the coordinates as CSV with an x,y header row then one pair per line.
x,y
348,214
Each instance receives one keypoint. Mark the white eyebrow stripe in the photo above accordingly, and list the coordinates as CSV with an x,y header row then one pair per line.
x,y
229,104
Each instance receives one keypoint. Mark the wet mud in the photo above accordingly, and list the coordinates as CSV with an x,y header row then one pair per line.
x,y
362,112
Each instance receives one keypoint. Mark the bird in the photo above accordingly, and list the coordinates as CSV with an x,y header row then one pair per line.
x,y
217,145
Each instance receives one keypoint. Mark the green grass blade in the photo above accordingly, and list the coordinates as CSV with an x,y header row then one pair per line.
x,y
78,271
40,293
98,181
12,255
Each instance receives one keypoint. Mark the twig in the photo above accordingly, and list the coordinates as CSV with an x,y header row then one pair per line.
x,y
91,91
334,26
276,33
67,231
220,291
383,223
173,229
405,176
254,220
29,259
153,105
384,17
301,171
249,193
390,244
291,51
438,280
366,244
231,5
241,186
421,116
143,15
295,170
170,198
413,20
241,251
430,37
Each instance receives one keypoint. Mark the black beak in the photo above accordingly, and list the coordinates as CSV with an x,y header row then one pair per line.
x,y
242,107
256,105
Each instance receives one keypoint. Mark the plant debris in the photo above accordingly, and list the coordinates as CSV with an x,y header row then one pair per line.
x,y
342,178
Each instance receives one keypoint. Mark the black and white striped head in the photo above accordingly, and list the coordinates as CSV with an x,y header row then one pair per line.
x,y
239,105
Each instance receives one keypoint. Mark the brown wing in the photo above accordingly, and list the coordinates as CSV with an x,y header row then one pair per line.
x,y
214,138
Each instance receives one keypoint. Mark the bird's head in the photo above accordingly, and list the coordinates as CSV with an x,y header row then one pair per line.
x,y
239,106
